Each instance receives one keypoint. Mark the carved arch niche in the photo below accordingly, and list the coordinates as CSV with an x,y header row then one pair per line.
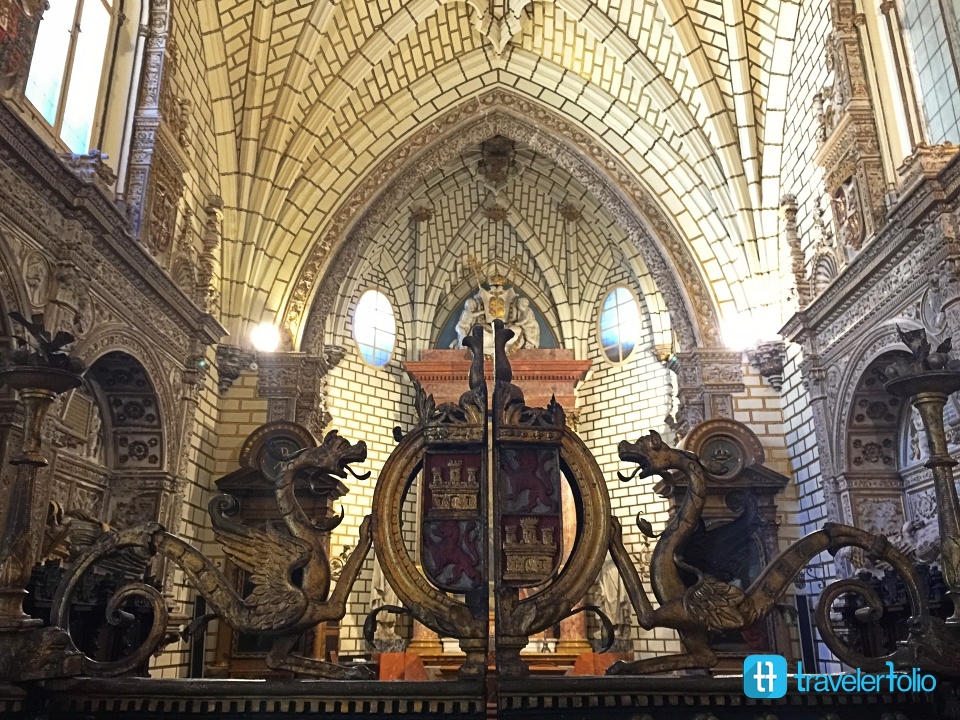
x,y
110,444
870,487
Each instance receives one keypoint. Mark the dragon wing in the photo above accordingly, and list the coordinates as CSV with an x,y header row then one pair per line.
x,y
269,557
715,604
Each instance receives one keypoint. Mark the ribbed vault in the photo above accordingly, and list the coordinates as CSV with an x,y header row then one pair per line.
x,y
309,95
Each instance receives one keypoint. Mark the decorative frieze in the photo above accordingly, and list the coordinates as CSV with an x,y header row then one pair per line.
x,y
295,385
706,382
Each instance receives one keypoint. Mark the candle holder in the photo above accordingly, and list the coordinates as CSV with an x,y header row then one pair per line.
x,y
38,370
927,381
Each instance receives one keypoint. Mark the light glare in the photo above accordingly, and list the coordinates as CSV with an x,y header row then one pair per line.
x,y
265,337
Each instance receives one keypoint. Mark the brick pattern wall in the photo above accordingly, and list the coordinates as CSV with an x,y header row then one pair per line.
x,y
366,403
623,402
195,525
802,177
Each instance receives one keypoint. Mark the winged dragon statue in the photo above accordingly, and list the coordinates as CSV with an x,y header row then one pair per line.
x,y
697,603
281,604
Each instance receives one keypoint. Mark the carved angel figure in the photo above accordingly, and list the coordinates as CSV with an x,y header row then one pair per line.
x,y
525,320
472,314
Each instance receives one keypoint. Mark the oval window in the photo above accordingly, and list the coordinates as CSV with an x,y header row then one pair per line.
x,y
619,325
374,328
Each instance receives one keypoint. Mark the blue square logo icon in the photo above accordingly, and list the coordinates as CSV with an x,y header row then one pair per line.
x,y
765,676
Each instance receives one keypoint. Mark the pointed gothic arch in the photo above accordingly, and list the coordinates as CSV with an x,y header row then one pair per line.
x,y
676,273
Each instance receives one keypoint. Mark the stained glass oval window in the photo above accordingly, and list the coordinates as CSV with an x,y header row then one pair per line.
x,y
619,325
375,328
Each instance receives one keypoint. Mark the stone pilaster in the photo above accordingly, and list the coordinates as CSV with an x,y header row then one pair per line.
x,y
295,385
707,380
849,151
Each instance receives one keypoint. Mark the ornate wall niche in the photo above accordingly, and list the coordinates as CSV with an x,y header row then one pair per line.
x,y
901,277
135,441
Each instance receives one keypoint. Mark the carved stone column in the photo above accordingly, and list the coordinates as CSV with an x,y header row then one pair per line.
x,y
208,282
849,150
295,385
706,382
788,213
146,121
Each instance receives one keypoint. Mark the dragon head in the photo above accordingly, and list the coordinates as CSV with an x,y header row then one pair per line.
x,y
652,456
325,464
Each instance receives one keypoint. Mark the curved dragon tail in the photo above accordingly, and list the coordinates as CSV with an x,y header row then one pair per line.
x,y
772,583
218,591
109,543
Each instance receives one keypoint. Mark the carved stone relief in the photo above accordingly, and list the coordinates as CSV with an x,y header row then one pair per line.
x,y
38,279
883,516
849,146
296,386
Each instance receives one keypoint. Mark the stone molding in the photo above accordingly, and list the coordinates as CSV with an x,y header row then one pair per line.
x,y
295,385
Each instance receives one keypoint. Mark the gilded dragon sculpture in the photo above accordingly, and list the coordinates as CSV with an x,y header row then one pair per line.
x,y
704,605
278,605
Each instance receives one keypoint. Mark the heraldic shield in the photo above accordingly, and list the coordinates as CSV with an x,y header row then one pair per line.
x,y
530,506
453,530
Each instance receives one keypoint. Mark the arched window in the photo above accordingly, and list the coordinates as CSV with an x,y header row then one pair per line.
x,y
375,328
935,38
619,325
67,72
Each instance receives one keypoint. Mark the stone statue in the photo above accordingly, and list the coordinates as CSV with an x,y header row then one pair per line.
x,y
382,594
613,600
498,303
471,315
526,321
94,435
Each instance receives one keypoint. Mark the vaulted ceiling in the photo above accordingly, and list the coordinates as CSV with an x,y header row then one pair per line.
x,y
313,99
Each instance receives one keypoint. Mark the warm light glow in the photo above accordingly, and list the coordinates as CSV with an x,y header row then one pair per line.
x,y
265,337
746,331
